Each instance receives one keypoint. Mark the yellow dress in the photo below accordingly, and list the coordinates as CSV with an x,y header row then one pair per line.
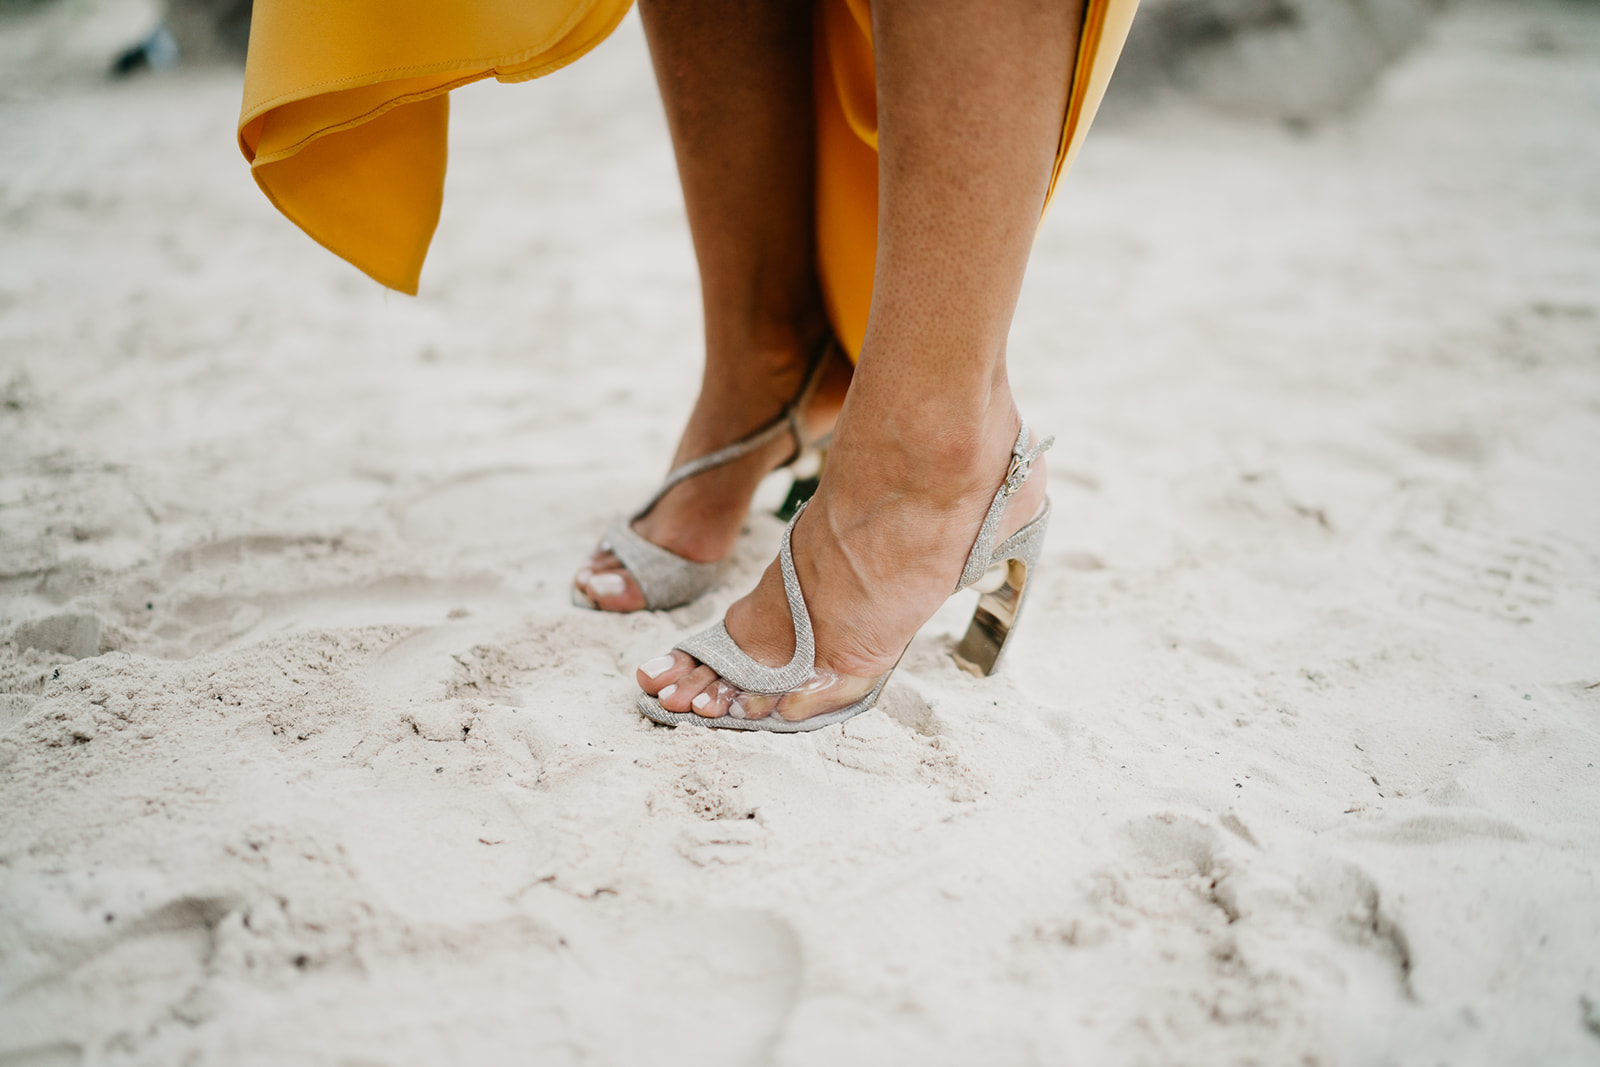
x,y
346,118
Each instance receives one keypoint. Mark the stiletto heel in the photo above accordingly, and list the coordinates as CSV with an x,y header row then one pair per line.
x,y
667,579
798,697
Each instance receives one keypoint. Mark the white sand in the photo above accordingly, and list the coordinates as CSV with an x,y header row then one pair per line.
x,y
1298,761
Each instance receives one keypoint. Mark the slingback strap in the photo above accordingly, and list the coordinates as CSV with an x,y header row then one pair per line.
x,y
1022,457
665,578
788,420
717,649
1017,545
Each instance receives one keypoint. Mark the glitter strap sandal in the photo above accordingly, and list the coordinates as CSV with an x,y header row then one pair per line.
x,y
797,696
667,579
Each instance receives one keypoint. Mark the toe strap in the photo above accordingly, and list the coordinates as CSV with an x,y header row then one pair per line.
x,y
716,648
665,578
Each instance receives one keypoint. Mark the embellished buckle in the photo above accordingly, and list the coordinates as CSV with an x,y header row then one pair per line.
x,y
1017,474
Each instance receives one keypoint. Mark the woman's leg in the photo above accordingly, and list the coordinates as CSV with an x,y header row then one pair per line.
x,y
735,78
971,96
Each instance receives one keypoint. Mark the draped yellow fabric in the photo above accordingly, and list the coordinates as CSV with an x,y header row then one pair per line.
x,y
346,117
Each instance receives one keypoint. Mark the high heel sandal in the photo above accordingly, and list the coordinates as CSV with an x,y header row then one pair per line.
x,y
787,699
667,579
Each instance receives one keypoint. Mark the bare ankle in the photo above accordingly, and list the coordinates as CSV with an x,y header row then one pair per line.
x,y
762,338
923,447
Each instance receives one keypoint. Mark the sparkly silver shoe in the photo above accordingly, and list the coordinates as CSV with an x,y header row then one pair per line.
x,y
667,579
798,696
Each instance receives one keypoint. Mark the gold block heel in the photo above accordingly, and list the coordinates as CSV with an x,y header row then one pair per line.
x,y
998,611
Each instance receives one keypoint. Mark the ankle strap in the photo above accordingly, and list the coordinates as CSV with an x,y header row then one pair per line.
x,y
1022,458
787,419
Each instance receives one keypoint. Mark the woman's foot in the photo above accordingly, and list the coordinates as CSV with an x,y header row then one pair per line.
x,y
701,518
878,550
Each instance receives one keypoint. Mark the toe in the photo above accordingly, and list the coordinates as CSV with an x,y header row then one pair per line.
x,y
681,699
609,588
655,676
751,705
714,700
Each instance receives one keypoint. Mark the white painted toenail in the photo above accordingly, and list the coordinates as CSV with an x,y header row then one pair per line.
x,y
699,703
665,693
655,668
735,711
607,585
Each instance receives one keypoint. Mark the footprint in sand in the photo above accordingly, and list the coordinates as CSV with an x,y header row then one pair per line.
x,y
1504,577
113,990
660,991
230,592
